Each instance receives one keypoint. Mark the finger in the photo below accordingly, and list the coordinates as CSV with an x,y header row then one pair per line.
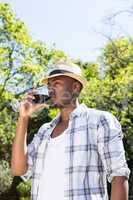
x,y
30,96
27,102
41,106
32,92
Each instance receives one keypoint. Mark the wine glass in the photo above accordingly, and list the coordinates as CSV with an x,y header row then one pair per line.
x,y
41,96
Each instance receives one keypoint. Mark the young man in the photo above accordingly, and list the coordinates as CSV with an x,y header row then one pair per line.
x,y
71,157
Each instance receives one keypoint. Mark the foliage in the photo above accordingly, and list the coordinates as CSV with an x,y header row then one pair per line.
x,y
5,176
90,70
24,190
118,55
9,24
114,92
23,63
7,129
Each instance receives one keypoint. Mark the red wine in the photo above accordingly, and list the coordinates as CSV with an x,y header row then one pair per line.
x,y
41,98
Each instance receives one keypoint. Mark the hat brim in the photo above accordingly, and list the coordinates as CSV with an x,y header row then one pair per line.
x,y
71,75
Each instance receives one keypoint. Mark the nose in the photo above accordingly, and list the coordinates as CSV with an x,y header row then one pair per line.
x,y
51,92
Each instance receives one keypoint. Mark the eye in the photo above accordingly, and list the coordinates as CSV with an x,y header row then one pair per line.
x,y
53,84
56,83
48,85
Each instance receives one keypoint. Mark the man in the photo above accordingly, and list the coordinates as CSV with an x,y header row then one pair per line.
x,y
71,157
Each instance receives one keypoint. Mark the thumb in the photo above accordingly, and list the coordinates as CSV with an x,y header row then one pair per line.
x,y
41,106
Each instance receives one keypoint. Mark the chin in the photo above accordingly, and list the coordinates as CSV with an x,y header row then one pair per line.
x,y
56,105
59,104
53,105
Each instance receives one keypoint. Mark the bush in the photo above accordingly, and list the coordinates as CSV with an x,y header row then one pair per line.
x,y
24,189
5,176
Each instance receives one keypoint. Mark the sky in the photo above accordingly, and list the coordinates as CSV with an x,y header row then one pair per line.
x,y
77,27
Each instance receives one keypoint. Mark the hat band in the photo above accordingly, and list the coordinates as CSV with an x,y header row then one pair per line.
x,y
58,71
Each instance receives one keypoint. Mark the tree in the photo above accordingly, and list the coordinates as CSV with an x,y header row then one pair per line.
x,y
23,63
114,92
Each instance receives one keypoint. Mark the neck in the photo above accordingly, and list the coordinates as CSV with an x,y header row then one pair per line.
x,y
66,111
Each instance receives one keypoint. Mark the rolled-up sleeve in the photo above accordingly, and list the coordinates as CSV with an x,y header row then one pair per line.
x,y
31,153
110,147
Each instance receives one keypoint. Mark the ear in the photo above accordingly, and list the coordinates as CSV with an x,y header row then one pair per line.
x,y
76,87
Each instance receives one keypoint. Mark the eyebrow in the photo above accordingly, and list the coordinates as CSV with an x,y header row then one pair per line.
x,y
53,79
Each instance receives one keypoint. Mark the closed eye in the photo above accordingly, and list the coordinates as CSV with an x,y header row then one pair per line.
x,y
54,83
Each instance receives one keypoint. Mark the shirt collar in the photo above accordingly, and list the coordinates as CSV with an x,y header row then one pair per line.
x,y
80,109
54,121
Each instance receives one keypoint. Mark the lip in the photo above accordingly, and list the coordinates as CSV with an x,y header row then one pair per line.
x,y
52,96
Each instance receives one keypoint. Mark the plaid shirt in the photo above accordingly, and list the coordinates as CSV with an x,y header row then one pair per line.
x,y
93,153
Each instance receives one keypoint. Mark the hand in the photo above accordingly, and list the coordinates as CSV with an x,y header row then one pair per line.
x,y
28,107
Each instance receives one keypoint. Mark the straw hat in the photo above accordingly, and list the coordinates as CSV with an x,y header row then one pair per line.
x,y
65,69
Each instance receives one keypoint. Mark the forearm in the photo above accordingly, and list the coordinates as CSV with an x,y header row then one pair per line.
x,y
19,148
119,188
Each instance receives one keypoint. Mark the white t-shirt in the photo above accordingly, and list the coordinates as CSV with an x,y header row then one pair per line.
x,y
52,181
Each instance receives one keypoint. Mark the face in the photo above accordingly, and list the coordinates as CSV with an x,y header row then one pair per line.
x,y
61,90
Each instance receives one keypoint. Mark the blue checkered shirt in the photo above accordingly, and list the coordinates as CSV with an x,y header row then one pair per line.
x,y
94,153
